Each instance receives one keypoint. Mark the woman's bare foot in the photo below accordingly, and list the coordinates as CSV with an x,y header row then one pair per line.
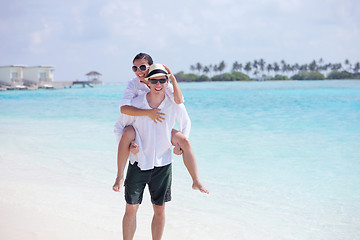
x,y
134,148
200,187
118,183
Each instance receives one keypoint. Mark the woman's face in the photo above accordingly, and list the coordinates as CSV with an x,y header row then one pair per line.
x,y
141,74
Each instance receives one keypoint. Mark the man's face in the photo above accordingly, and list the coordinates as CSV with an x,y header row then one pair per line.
x,y
159,86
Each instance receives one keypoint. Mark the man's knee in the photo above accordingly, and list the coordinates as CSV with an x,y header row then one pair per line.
x,y
129,133
131,210
159,210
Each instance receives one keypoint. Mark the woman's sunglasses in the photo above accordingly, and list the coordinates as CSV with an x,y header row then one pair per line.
x,y
154,81
142,68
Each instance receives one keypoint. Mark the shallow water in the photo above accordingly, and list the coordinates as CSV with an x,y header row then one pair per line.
x,y
281,159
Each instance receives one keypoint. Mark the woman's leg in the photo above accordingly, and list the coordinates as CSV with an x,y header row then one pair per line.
x,y
126,142
178,139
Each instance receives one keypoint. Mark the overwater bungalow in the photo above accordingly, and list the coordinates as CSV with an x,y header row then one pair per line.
x,y
39,75
19,76
11,75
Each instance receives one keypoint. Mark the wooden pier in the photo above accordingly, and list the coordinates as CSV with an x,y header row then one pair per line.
x,y
83,83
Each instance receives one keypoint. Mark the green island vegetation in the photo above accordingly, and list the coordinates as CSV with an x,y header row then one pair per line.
x,y
259,70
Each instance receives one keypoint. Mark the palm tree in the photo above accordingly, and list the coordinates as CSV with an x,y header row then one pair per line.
x,y
215,68
206,70
240,67
222,66
288,68
210,68
284,67
255,64
296,67
327,66
237,67
347,62
198,67
357,67
247,67
276,67
262,65
320,62
304,67
192,68
313,66
291,68
269,68
336,67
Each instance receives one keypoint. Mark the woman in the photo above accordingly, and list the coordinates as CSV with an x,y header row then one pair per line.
x,y
136,86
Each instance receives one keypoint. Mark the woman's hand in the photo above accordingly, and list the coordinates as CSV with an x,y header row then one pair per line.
x,y
169,71
155,115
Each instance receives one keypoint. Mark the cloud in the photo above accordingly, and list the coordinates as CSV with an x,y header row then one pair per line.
x,y
123,18
39,39
89,32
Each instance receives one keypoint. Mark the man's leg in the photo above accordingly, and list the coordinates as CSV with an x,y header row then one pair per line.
x,y
177,138
158,222
129,221
126,140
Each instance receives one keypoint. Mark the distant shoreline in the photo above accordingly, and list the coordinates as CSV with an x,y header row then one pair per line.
x,y
239,76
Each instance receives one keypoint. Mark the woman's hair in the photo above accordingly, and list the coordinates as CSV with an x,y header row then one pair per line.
x,y
145,56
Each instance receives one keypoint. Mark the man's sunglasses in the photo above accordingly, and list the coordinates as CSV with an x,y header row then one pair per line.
x,y
154,81
142,68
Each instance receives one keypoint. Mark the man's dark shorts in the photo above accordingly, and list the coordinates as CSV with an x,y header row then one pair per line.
x,y
158,180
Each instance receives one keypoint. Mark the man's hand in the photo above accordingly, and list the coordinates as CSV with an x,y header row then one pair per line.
x,y
177,150
134,148
118,183
155,115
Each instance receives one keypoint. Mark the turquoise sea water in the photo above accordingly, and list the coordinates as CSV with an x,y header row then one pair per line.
x,y
281,159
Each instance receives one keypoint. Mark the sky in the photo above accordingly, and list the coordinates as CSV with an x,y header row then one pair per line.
x,y
79,36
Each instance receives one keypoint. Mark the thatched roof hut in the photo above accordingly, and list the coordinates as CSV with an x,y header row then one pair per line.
x,y
94,76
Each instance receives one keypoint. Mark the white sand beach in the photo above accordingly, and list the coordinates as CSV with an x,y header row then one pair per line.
x,y
40,203
19,223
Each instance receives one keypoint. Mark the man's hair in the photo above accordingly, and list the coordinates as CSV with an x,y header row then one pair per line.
x,y
145,56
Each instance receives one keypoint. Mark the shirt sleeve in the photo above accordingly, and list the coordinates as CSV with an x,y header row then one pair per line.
x,y
169,91
120,124
129,94
183,120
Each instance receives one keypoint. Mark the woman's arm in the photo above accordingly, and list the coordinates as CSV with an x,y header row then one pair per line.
x,y
154,113
178,97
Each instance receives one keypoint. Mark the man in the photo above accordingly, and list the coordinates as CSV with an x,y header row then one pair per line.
x,y
152,164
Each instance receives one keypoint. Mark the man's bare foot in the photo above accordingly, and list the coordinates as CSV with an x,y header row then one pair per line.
x,y
177,150
118,183
134,148
200,187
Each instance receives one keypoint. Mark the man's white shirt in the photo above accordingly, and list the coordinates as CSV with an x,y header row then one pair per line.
x,y
154,139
